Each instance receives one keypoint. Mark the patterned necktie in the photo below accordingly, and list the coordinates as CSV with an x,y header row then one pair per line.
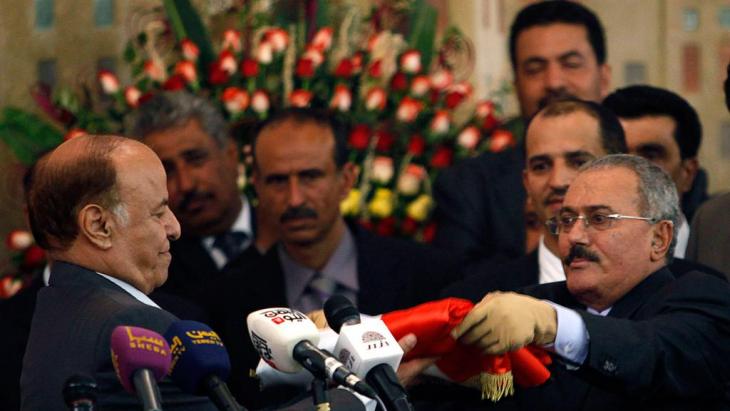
x,y
230,243
318,290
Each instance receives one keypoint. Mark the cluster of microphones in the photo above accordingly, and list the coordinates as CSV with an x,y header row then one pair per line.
x,y
194,357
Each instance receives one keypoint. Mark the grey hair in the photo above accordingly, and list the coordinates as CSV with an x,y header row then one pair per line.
x,y
175,109
657,192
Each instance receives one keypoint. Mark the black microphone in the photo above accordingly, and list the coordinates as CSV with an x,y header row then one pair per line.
x,y
79,393
369,350
200,363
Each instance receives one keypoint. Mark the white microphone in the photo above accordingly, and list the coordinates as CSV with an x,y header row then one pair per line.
x,y
369,350
287,340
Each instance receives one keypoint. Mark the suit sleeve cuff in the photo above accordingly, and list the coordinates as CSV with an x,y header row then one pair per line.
x,y
571,339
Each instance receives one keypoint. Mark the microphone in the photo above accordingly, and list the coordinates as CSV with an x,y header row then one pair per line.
x,y
79,393
141,357
200,363
369,350
287,340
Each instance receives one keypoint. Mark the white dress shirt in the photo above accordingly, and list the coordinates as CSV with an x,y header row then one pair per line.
x,y
242,225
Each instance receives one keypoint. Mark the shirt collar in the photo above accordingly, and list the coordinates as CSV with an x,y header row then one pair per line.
x,y
341,267
682,238
551,268
138,295
241,225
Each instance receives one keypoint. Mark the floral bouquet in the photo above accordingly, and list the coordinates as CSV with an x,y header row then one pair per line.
x,y
411,114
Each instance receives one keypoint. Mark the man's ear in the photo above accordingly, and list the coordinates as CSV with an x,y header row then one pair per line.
x,y
605,79
688,170
349,177
661,239
96,224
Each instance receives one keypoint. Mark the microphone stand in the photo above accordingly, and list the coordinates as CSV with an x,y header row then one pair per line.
x,y
319,394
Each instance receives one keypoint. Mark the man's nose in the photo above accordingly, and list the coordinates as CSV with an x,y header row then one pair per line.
x,y
296,197
554,77
172,227
561,177
185,179
578,233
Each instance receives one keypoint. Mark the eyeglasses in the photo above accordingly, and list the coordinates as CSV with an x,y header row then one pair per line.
x,y
598,220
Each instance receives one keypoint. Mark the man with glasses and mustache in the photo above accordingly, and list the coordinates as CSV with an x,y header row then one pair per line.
x,y
624,331
559,140
557,50
301,174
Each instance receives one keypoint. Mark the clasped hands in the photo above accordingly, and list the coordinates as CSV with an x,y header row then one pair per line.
x,y
507,321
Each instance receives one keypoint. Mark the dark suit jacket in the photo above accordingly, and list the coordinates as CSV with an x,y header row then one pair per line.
x,y
663,346
480,204
15,318
70,334
709,238
392,274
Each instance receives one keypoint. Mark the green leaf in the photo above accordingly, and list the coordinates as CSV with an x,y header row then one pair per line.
x,y
27,134
422,34
186,23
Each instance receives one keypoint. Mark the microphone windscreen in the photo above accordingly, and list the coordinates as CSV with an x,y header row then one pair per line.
x,y
197,352
135,348
338,309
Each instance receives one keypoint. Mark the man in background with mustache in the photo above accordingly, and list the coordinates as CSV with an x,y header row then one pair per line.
x,y
201,161
624,331
557,50
559,140
301,174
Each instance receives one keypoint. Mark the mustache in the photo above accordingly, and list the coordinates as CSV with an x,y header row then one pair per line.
x,y
579,251
190,196
554,95
555,194
292,213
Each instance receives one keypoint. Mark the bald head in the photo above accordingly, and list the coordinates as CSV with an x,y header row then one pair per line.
x,y
78,172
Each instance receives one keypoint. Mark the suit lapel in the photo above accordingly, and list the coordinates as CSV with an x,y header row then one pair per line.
x,y
639,295
376,273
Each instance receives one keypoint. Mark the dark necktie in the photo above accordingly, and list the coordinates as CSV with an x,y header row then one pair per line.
x,y
230,243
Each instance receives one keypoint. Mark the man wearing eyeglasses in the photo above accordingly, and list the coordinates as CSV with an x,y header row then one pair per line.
x,y
561,138
624,330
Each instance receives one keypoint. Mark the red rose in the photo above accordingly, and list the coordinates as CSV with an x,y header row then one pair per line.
x,y
305,68
385,140
500,140
409,226
300,98
399,82
375,71
429,233
175,82
344,68
454,98
442,157
132,96
190,50
490,122
386,227
217,75
417,145
360,137
187,70
34,257
249,68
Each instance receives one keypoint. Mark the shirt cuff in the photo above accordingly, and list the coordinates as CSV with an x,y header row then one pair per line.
x,y
571,340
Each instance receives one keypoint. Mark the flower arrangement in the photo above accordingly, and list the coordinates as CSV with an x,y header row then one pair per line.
x,y
410,114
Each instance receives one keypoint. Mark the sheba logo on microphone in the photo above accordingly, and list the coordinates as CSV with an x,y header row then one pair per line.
x,y
145,342
262,347
280,316
374,340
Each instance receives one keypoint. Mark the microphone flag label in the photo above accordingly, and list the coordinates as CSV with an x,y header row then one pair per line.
x,y
282,315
